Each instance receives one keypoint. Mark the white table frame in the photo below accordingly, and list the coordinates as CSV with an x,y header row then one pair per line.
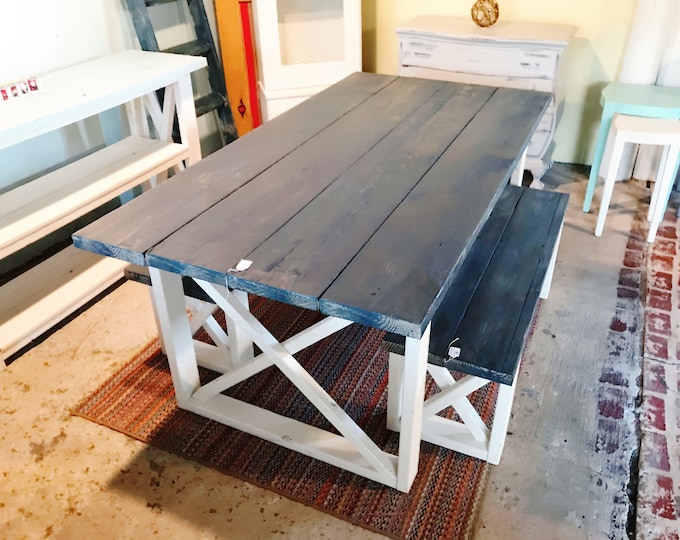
x,y
233,356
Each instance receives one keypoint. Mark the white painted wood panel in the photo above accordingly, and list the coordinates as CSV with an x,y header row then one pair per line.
x,y
37,208
303,46
74,93
67,280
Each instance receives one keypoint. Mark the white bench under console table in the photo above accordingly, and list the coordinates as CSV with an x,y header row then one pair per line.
x,y
46,293
507,54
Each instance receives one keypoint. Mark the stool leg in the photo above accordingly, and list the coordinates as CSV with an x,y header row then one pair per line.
x,y
665,184
673,185
609,180
602,134
655,198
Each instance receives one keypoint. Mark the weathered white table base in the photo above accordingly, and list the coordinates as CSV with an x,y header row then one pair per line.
x,y
232,355
470,435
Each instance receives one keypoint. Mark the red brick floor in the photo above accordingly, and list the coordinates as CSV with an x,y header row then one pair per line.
x,y
658,501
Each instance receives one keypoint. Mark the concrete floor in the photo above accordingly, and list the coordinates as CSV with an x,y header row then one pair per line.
x,y
65,477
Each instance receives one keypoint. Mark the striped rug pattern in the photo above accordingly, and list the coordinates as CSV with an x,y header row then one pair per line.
x,y
443,502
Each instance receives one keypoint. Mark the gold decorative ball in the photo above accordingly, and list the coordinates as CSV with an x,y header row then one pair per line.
x,y
485,12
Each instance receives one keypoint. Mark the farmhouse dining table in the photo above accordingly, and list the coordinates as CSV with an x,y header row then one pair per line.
x,y
359,203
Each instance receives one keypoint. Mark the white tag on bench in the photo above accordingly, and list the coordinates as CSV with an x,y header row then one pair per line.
x,y
454,352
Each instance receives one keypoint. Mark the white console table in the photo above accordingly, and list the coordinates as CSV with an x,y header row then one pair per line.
x,y
47,292
507,54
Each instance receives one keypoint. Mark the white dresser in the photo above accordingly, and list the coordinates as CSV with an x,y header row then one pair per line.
x,y
507,54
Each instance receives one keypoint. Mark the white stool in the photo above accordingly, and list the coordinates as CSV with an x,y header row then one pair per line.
x,y
642,130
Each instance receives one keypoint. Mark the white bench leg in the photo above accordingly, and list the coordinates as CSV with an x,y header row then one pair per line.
x,y
501,419
470,436
547,280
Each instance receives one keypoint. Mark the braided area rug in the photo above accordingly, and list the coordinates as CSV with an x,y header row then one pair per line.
x,y
443,502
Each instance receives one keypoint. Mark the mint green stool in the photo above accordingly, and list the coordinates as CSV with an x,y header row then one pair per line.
x,y
635,100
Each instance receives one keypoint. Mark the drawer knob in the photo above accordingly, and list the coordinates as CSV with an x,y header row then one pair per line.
x,y
484,12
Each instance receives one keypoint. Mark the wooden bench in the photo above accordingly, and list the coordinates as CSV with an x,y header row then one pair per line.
x,y
482,324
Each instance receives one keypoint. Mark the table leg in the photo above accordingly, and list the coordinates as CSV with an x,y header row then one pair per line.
x,y
240,345
411,399
352,449
168,295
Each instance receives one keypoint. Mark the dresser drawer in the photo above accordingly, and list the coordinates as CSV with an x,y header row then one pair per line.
x,y
533,83
517,60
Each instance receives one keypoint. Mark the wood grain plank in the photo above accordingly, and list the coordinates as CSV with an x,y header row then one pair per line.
x,y
253,213
490,305
466,281
289,264
494,329
399,278
133,229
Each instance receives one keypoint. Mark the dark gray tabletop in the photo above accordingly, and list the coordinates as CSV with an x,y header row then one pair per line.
x,y
361,202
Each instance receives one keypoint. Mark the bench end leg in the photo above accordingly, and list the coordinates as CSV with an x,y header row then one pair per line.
x,y
547,280
501,419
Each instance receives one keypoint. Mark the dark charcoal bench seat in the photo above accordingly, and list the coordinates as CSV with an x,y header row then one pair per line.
x,y
485,319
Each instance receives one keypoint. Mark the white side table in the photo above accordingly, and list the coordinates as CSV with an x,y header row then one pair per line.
x,y
47,292
507,54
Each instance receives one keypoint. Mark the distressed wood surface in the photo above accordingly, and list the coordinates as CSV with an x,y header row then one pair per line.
x,y
398,278
490,307
346,215
361,202
129,232
252,214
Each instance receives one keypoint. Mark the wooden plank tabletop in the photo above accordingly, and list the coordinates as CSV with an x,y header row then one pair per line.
x,y
136,227
410,260
360,202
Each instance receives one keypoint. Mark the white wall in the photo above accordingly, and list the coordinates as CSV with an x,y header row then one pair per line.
x,y
42,35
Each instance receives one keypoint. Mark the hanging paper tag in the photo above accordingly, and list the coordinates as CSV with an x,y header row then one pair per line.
x,y
454,352
243,264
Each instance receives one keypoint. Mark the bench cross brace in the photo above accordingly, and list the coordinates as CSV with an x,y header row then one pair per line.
x,y
469,435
